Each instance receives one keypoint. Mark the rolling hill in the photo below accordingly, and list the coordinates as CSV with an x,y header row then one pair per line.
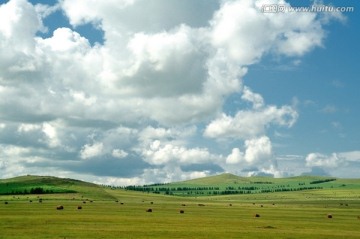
x,y
226,184
51,185
223,184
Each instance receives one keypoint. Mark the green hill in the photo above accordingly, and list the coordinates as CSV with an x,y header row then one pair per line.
x,y
51,185
226,184
217,179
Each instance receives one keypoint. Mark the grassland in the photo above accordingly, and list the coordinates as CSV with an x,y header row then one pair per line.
x,y
227,184
119,213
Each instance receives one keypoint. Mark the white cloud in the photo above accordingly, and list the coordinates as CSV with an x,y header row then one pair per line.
x,y
80,12
251,123
235,157
160,153
256,99
145,91
332,161
65,40
350,156
19,24
246,33
51,134
28,127
91,150
321,160
257,151
119,153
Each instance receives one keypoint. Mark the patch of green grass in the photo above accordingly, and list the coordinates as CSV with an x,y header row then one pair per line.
x,y
116,213
282,215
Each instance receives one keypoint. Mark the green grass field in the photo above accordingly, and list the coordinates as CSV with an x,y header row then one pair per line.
x,y
297,214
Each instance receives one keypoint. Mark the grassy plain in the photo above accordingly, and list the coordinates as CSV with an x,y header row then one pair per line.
x,y
299,214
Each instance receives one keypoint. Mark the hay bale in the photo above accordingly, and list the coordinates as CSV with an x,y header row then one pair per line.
x,y
182,211
329,216
6,202
201,205
151,202
84,202
257,215
149,210
117,201
261,205
79,207
121,203
30,200
183,205
60,207
230,205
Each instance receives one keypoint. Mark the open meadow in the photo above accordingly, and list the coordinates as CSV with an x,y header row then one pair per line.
x,y
118,213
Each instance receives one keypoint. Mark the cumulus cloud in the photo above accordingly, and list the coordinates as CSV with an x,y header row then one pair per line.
x,y
333,160
148,93
91,150
251,123
159,154
256,150
254,98
321,160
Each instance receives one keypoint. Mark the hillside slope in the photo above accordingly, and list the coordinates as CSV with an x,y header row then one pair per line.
x,y
225,184
51,185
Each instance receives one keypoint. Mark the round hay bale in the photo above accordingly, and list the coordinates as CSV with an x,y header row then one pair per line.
x,y
6,202
79,207
261,205
257,215
329,216
149,210
151,202
183,205
121,203
30,200
84,202
230,205
60,207
182,211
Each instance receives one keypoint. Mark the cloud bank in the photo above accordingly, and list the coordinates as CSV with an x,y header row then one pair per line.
x,y
146,103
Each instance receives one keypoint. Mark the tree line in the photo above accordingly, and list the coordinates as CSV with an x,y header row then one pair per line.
x,y
35,190
216,190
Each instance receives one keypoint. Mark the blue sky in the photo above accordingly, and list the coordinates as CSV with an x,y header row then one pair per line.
x,y
135,91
